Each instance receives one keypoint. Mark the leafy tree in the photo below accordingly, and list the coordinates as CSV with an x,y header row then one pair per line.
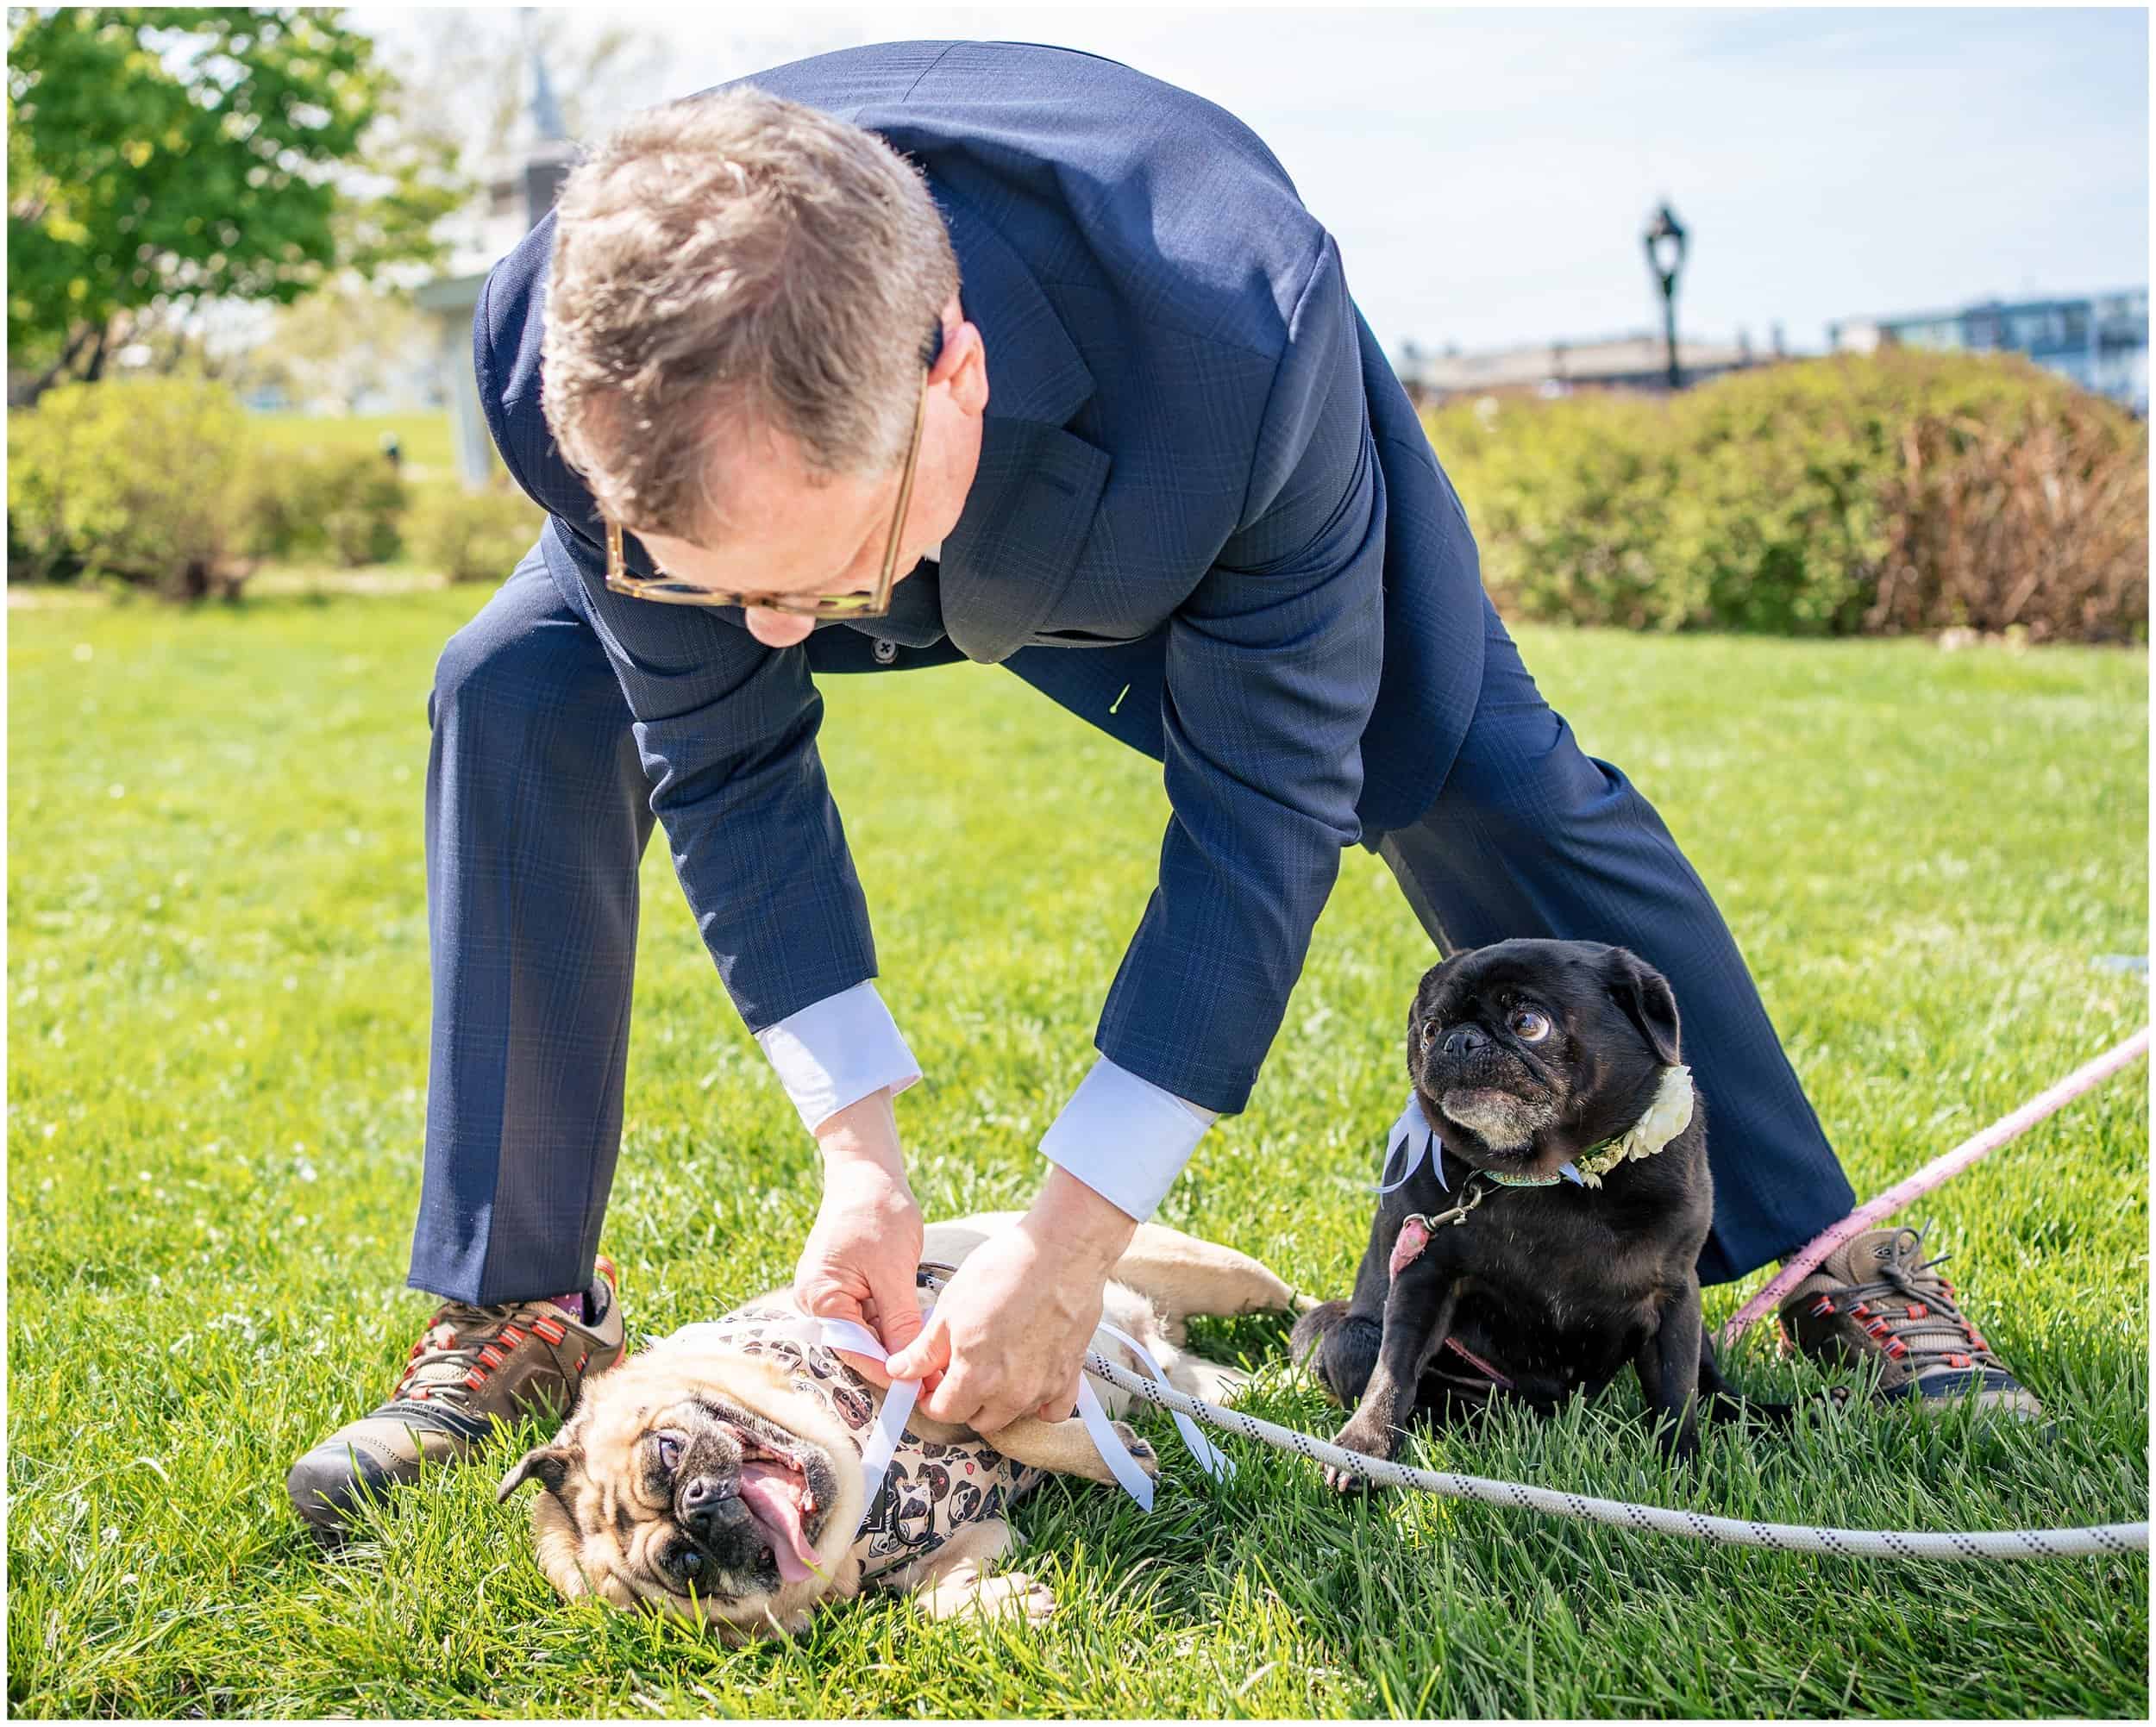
x,y
160,156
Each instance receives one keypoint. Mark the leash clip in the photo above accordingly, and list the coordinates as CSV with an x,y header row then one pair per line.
x,y
1474,1197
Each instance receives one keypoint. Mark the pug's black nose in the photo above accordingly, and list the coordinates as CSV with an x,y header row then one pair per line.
x,y
1464,1041
709,1503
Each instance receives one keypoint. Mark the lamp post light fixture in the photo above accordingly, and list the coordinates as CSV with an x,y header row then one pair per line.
x,y
1665,240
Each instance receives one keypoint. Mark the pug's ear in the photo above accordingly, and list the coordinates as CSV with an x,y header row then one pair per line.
x,y
1644,995
550,1465
1428,986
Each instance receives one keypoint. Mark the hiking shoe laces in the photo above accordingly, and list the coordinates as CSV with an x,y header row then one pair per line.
x,y
461,1346
1878,1299
1929,1330
471,1366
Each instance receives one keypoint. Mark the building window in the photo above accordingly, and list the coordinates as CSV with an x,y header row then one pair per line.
x,y
2035,330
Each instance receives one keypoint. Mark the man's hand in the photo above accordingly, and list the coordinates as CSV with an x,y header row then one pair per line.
x,y
859,1259
1010,1328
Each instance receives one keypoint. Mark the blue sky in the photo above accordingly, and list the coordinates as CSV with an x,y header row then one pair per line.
x,y
1488,173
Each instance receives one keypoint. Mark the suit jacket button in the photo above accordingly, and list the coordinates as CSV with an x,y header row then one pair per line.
x,y
886,651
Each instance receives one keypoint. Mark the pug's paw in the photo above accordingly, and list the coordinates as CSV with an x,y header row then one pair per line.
x,y
1016,1594
1369,1439
1141,1450
1013,1595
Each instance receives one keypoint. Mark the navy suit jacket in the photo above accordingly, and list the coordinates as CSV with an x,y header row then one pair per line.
x,y
1206,520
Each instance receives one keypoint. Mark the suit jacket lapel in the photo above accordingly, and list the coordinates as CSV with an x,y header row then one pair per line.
x,y
1011,555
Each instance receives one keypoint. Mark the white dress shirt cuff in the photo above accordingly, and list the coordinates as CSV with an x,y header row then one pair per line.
x,y
836,1051
1125,1138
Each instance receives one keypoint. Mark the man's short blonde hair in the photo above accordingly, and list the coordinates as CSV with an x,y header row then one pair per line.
x,y
729,265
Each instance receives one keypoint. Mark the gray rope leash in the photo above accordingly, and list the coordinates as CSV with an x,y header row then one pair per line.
x,y
2018,1544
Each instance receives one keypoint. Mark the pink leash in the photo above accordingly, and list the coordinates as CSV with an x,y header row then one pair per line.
x,y
2085,1078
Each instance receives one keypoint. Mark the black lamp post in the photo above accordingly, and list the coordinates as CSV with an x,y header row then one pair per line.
x,y
1665,257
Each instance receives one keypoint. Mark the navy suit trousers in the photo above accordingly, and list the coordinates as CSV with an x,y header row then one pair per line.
x,y
537,817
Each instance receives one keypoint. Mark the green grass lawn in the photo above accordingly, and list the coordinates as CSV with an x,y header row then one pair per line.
x,y
218,1019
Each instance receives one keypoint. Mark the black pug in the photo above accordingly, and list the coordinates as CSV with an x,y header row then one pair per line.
x,y
1551,1231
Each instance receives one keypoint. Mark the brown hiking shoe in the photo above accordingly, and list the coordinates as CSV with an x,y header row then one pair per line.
x,y
471,1364
1876,1298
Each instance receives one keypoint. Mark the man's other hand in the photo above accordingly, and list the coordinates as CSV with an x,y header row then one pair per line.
x,y
859,1259
1011,1328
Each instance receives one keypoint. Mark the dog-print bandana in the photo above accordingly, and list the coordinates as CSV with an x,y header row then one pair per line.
x,y
930,1491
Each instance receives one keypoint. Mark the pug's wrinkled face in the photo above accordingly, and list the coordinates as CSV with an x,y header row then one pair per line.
x,y
1528,1054
668,1489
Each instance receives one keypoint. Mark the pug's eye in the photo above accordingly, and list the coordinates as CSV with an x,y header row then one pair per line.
x,y
1531,1026
1429,1033
668,1447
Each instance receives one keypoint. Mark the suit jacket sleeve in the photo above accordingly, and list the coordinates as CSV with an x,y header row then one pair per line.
x,y
726,729
1272,669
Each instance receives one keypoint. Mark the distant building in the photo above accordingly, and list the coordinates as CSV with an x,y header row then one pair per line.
x,y
1626,362
518,194
2099,341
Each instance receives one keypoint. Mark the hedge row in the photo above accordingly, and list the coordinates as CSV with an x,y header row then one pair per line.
x,y
162,484
1857,495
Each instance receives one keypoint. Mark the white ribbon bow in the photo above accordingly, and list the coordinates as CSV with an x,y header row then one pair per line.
x,y
1413,1130
891,1419
898,1407
1208,1456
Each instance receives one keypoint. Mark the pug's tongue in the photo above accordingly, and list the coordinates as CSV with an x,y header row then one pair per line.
x,y
768,1491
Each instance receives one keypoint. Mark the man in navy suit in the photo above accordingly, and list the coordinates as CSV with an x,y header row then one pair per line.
x,y
933,351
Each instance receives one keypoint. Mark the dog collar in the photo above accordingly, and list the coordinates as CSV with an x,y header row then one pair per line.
x,y
1667,1116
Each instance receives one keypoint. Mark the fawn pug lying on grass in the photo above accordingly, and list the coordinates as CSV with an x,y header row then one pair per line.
x,y
1549,1232
718,1475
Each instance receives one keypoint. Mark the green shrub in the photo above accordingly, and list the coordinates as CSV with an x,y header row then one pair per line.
x,y
471,537
316,502
138,481
1856,495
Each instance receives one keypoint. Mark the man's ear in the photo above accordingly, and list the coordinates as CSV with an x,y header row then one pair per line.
x,y
962,363
1644,995
548,1465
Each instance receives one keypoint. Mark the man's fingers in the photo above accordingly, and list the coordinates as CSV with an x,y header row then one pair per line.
x,y
822,1297
1062,1408
868,1367
998,1415
928,1353
823,1300
898,1318
958,1399
987,1406
1007,1403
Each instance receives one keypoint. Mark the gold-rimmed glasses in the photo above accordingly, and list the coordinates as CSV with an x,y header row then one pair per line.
x,y
874,603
